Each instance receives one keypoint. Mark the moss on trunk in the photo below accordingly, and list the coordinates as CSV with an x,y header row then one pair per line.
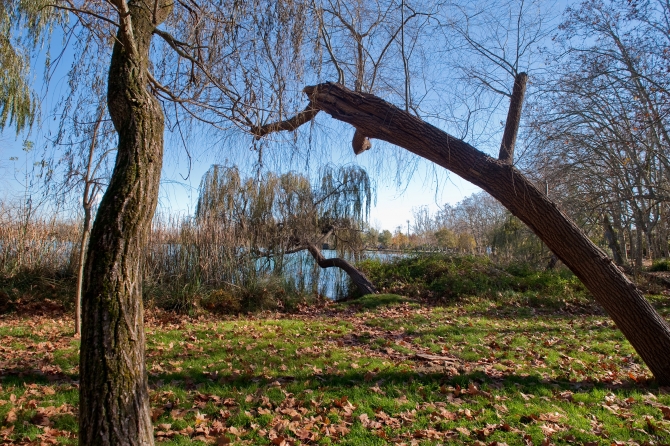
x,y
114,398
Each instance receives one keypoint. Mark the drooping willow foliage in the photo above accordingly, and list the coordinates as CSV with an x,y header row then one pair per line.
x,y
276,213
247,228
22,25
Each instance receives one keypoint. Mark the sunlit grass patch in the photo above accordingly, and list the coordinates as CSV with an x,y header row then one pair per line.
x,y
371,301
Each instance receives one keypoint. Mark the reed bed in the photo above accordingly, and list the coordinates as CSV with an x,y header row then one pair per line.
x,y
188,264
35,243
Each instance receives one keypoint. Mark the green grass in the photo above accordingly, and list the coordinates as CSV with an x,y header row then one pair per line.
x,y
446,277
371,301
508,369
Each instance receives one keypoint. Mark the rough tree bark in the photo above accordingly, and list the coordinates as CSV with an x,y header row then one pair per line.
x,y
506,154
114,400
646,330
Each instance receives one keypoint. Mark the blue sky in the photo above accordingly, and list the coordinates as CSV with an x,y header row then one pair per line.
x,y
397,193
395,201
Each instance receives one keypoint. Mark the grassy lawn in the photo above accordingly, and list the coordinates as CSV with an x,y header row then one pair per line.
x,y
370,372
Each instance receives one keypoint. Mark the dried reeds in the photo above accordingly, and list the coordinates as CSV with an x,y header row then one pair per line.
x,y
31,242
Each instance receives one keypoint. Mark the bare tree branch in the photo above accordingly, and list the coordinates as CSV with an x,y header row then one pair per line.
x,y
290,124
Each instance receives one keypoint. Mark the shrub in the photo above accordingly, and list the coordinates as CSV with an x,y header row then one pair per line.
x,y
222,301
660,265
447,277
257,294
177,295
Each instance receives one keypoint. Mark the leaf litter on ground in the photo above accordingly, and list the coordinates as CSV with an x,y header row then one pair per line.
x,y
473,372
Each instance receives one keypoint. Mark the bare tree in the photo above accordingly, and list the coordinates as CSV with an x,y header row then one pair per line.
x,y
92,180
602,123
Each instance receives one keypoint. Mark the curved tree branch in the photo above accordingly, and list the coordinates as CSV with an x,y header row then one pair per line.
x,y
646,330
360,280
289,124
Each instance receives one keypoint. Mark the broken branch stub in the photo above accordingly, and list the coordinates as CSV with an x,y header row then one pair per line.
x,y
360,143
506,154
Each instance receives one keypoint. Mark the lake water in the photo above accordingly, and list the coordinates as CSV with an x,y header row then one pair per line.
x,y
332,282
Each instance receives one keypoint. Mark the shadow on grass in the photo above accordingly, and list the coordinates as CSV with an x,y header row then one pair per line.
x,y
24,377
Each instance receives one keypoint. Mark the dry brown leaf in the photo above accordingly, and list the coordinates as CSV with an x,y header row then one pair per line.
x,y
222,440
501,407
40,419
464,431
6,431
554,417
11,416
156,414
548,430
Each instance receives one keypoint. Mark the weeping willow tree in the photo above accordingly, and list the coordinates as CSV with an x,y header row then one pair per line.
x,y
276,215
23,24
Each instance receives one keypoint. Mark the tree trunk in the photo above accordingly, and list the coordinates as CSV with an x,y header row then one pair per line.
x,y
636,318
90,190
639,251
362,283
620,231
80,268
113,395
612,241
553,261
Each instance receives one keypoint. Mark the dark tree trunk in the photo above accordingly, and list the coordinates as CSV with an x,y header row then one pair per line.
x,y
636,318
362,283
553,261
613,241
639,251
506,154
114,399
620,231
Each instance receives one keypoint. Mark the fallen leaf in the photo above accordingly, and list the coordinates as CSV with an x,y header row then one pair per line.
x,y
554,417
156,414
666,412
222,440
40,419
463,431
11,416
